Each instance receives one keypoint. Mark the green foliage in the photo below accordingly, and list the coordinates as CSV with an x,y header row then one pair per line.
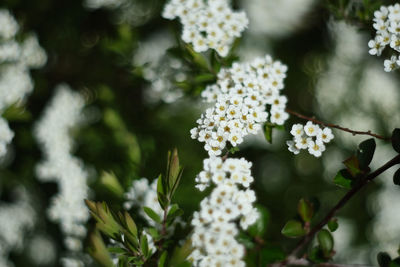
x,y
259,228
343,179
293,229
383,259
333,225
396,177
305,209
396,140
325,241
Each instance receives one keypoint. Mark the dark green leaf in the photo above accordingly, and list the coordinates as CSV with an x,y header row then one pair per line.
x,y
293,229
245,240
174,212
268,132
116,250
333,225
396,177
365,153
161,192
383,259
152,214
206,77
305,210
395,262
325,240
162,260
342,179
271,254
353,166
396,140
144,245
260,226
316,255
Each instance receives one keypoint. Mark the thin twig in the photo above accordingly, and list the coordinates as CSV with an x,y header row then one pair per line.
x,y
304,262
293,255
336,126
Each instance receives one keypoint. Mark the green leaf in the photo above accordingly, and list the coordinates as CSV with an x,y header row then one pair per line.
x,y
144,245
110,181
395,262
333,225
245,240
396,140
271,254
365,153
316,255
293,229
205,77
162,260
260,226
16,112
396,177
116,250
152,214
161,192
268,132
174,212
342,179
305,210
130,224
325,240
98,250
383,259
353,166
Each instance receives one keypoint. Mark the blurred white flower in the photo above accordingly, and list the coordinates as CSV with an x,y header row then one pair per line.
x,y
52,132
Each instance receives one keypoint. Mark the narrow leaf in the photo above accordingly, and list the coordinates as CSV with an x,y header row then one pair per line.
x,y
152,214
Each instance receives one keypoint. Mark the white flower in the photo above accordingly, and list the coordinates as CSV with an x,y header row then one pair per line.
x,y
52,132
297,130
207,24
311,129
243,101
391,64
292,147
214,233
309,137
316,148
325,135
387,26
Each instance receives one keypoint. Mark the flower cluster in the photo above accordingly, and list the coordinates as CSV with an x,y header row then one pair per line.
x,y
387,26
53,133
207,24
15,219
241,96
16,59
311,137
231,201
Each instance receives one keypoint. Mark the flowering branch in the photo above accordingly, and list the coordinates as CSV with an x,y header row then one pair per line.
x,y
336,126
293,255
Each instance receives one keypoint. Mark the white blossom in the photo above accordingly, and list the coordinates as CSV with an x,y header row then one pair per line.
x,y
387,26
245,97
16,59
310,137
52,132
207,24
213,238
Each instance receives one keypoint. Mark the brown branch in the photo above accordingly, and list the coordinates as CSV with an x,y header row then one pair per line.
x,y
336,126
293,255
